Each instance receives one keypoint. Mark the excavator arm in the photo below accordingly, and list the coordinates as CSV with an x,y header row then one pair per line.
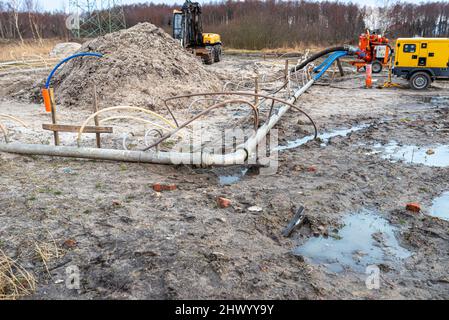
x,y
188,28
193,24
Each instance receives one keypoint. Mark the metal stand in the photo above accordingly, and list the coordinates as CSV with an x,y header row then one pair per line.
x,y
390,83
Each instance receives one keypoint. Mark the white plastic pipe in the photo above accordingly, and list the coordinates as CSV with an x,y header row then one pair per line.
x,y
251,145
123,155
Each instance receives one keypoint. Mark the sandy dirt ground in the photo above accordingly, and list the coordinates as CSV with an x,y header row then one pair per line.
x,y
130,242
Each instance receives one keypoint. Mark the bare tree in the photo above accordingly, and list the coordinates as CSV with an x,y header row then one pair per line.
x,y
15,6
2,9
29,7
33,8
255,24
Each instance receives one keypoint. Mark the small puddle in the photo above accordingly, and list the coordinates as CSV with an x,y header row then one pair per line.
x,y
433,156
438,100
366,239
230,176
325,137
440,207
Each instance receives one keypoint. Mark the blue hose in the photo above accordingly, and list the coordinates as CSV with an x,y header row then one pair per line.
x,y
328,62
317,69
83,54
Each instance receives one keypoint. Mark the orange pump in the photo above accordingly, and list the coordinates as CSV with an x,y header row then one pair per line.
x,y
376,49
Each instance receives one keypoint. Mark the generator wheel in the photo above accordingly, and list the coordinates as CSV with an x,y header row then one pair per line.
x,y
420,81
377,67
218,52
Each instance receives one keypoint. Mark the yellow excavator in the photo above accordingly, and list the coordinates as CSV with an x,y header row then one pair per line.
x,y
188,28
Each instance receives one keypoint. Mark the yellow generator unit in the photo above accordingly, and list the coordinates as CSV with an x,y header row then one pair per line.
x,y
422,60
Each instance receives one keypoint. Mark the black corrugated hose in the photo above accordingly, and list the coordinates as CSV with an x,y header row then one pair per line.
x,y
317,56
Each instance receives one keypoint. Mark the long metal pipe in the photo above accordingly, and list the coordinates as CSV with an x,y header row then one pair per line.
x,y
123,155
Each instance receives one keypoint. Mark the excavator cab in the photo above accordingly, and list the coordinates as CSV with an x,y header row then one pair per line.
x,y
177,25
188,29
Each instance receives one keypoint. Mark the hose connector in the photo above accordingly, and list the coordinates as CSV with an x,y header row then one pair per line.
x,y
352,50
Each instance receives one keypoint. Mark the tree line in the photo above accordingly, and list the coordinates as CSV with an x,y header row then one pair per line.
x,y
253,24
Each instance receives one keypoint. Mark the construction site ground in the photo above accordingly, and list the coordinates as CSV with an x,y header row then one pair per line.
x,y
130,242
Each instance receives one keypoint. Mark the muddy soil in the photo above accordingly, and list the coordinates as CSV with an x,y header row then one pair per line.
x,y
130,242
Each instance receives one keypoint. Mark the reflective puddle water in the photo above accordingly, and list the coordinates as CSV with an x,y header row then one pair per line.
x,y
434,156
232,176
438,100
366,239
440,207
325,137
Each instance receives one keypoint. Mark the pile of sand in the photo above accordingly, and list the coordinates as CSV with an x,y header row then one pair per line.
x,y
142,65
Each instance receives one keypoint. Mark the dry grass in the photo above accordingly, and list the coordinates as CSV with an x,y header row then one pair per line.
x,y
15,281
48,251
297,48
300,49
13,50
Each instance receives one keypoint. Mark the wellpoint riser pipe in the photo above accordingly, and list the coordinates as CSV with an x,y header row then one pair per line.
x,y
243,152
205,159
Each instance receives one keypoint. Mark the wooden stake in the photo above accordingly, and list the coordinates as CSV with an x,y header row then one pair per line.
x,y
97,121
53,115
256,90
286,70
340,68
286,73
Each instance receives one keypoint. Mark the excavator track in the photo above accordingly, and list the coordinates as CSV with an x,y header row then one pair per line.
x,y
209,57
217,53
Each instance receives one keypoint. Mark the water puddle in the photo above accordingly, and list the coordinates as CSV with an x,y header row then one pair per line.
x,y
230,176
438,100
440,207
366,239
433,156
325,137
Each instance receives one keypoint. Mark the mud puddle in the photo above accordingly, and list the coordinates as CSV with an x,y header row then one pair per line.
x,y
438,100
433,156
230,176
440,207
324,137
233,175
366,239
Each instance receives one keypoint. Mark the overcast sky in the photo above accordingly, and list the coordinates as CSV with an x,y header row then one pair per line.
x,y
51,5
